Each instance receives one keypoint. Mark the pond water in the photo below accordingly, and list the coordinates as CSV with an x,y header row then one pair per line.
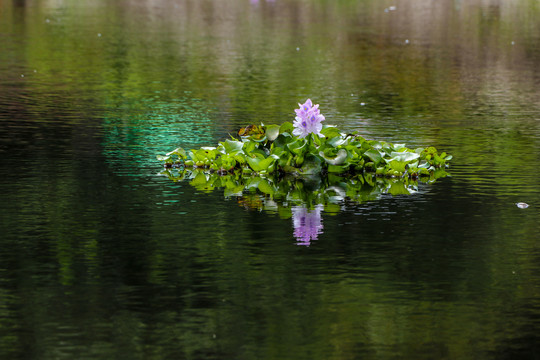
x,y
103,257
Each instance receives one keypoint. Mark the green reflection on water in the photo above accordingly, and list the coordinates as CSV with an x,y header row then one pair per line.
x,y
131,138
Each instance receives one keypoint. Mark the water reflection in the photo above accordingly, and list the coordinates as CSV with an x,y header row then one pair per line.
x,y
307,224
304,199
110,266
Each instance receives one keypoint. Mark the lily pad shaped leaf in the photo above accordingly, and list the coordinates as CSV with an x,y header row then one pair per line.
x,y
178,151
374,155
163,158
336,141
330,132
286,127
404,156
297,146
272,132
261,164
339,159
232,146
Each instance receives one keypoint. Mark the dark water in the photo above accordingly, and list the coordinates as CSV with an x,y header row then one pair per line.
x,y
100,257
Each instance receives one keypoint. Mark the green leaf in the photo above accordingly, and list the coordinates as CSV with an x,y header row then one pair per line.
x,y
299,160
374,155
330,132
286,127
387,148
163,158
272,132
208,148
336,141
430,151
339,159
278,151
249,146
240,158
265,187
423,164
181,153
404,156
258,152
283,139
260,164
232,146
253,183
205,154
438,160
289,169
297,147
317,140
375,144
398,165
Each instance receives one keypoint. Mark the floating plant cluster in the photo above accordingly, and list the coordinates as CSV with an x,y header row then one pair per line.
x,y
306,147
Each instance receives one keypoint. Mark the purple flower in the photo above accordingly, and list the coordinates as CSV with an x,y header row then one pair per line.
x,y
307,224
308,119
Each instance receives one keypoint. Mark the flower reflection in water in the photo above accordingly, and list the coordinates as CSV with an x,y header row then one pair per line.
x,y
307,224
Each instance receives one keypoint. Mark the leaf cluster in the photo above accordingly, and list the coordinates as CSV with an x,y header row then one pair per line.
x,y
273,149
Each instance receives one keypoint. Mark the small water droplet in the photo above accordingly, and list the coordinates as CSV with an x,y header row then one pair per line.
x,y
406,41
513,43
392,8
362,104
297,49
522,205
99,34
22,75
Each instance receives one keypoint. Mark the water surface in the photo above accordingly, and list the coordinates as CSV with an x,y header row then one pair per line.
x,y
101,257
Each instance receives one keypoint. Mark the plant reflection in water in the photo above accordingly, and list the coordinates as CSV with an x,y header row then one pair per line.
x,y
304,198
307,223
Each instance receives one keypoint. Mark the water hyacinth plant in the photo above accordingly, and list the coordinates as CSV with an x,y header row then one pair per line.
x,y
307,147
